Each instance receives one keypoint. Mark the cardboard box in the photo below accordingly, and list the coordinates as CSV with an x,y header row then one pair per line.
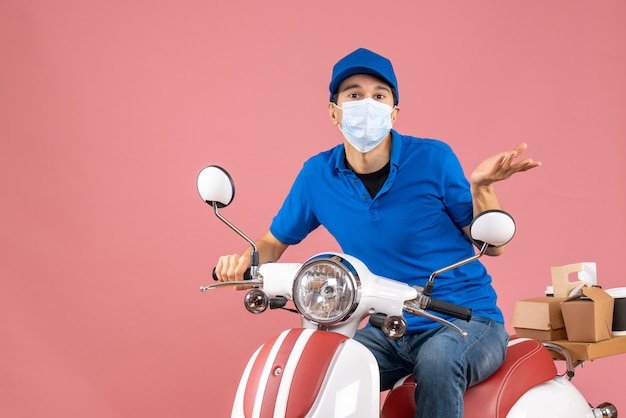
x,y
539,318
562,285
588,317
592,351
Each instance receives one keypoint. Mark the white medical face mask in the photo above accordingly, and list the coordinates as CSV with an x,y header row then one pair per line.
x,y
365,123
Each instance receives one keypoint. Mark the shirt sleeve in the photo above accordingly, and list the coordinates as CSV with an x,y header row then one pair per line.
x,y
296,218
457,194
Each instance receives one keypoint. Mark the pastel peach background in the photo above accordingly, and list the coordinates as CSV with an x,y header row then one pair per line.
x,y
109,109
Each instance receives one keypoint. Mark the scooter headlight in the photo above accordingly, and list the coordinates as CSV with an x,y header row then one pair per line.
x,y
327,289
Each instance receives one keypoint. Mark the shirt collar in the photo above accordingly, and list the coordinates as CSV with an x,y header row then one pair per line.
x,y
396,150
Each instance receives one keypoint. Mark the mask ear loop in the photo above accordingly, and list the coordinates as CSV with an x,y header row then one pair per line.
x,y
338,123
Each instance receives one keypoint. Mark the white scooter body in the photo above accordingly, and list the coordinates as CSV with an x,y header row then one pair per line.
x,y
277,381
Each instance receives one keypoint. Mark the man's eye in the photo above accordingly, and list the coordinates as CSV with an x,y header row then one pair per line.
x,y
380,96
353,95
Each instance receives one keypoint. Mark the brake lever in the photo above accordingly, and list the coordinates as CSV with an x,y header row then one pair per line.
x,y
251,283
414,309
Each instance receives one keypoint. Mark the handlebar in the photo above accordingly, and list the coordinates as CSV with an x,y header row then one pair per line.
x,y
450,309
376,320
246,275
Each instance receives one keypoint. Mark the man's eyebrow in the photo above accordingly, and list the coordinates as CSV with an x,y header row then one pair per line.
x,y
354,86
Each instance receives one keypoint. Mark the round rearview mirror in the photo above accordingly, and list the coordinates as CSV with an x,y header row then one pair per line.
x,y
494,227
215,186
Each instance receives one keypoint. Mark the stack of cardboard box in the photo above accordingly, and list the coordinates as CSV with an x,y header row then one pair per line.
x,y
579,316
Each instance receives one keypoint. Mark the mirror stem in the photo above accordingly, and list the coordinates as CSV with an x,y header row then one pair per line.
x,y
428,288
254,255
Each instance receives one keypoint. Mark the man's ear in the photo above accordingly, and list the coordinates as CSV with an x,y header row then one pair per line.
x,y
333,112
394,114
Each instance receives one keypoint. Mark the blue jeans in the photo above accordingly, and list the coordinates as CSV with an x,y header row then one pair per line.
x,y
442,362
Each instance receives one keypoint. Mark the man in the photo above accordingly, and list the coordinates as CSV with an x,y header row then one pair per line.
x,y
403,206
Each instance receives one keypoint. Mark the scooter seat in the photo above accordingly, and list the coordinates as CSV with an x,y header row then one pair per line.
x,y
527,364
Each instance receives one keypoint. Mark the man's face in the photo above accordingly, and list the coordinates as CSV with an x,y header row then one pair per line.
x,y
359,87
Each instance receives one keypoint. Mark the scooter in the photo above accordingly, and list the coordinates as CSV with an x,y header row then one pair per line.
x,y
318,370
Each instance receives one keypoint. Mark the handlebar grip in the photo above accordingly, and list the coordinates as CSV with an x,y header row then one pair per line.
x,y
376,320
450,309
246,274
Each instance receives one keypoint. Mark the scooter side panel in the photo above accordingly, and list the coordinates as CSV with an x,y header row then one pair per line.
x,y
556,398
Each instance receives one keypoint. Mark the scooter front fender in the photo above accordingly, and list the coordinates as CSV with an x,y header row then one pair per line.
x,y
308,373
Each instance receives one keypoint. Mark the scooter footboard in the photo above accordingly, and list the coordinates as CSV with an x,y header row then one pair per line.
x,y
307,373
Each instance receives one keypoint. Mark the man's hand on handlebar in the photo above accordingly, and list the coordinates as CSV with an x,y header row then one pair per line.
x,y
231,268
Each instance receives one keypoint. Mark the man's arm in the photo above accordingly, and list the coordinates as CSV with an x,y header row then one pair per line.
x,y
498,167
232,267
